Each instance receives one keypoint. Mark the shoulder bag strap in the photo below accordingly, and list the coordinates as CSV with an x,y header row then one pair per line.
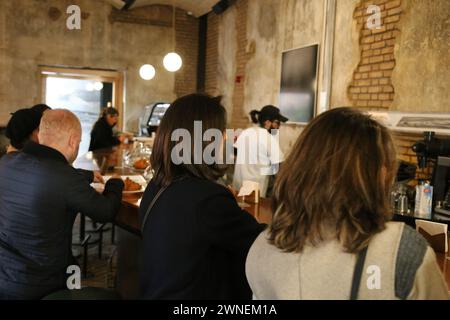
x,y
358,273
147,213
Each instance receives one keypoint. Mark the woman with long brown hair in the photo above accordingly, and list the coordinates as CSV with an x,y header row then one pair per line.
x,y
331,235
195,236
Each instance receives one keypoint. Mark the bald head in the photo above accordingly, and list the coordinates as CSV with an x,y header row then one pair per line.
x,y
60,129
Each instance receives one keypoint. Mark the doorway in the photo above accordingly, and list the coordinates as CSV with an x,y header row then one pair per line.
x,y
84,92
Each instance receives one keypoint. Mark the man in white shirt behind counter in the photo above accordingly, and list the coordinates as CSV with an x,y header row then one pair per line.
x,y
258,150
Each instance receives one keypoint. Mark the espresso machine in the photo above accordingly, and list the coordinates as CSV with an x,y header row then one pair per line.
x,y
151,117
430,148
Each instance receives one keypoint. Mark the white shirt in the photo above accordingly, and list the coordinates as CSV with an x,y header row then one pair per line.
x,y
258,157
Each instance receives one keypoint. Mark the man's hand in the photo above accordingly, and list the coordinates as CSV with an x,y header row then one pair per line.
x,y
98,177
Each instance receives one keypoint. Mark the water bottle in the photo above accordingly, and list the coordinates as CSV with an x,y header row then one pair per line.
x,y
403,203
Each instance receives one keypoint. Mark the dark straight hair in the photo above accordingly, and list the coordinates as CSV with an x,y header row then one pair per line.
x,y
109,111
181,115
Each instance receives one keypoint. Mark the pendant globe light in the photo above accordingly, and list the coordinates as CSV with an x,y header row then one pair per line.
x,y
172,61
147,72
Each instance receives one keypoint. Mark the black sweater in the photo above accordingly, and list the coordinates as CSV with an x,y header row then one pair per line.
x,y
102,136
195,243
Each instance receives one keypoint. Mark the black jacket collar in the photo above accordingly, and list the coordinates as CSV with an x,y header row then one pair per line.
x,y
42,151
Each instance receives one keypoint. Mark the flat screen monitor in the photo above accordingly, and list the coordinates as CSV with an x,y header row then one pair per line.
x,y
298,84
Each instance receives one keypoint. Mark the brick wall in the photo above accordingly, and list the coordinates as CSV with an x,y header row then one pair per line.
x,y
404,142
186,27
212,54
371,85
239,119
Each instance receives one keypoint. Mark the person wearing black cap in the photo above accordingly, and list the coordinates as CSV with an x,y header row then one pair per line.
x,y
102,135
258,151
24,126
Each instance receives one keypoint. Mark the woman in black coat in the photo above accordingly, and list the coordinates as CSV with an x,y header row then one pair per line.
x,y
196,237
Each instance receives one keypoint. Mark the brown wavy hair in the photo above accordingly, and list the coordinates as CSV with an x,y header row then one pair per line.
x,y
335,184
181,115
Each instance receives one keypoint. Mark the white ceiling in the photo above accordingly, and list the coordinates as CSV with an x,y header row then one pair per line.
x,y
197,7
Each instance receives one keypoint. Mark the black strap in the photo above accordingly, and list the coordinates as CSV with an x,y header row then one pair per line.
x,y
357,273
147,213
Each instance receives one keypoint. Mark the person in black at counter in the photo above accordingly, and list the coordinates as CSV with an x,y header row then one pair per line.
x,y
196,237
102,135
41,194
24,126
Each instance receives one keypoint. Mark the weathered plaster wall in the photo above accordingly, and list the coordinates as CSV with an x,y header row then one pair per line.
x,y
29,38
421,77
346,52
271,27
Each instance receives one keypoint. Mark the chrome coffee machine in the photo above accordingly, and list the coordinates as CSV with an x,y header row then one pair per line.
x,y
438,150
430,148
441,182
151,117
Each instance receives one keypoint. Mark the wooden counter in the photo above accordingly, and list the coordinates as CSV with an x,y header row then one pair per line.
x,y
128,220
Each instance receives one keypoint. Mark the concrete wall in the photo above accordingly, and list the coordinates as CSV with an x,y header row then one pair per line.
x,y
346,52
29,38
421,77
271,28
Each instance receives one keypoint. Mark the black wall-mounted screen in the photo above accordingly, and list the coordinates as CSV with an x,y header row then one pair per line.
x,y
298,83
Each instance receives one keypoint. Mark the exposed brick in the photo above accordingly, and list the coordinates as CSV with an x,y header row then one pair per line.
x,y
367,53
390,19
393,4
378,45
376,59
187,46
387,65
371,85
365,68
376,31
361,103
387,50
374,90
388,89
364,82
376,74
384,96
355,90
370,39
394,11
390,42
364,96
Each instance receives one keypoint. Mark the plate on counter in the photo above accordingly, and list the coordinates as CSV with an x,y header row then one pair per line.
x,y
129,180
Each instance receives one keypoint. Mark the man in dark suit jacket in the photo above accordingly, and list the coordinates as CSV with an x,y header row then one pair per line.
x,y
40,196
